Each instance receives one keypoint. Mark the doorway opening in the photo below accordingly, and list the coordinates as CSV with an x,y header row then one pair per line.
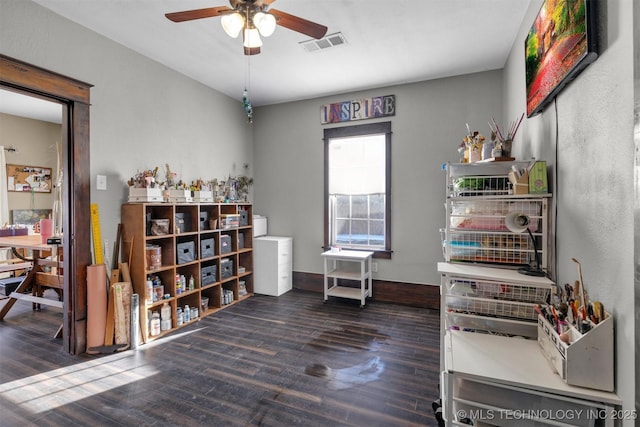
x,y
74,97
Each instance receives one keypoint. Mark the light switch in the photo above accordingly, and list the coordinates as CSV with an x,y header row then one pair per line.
x,y
101,182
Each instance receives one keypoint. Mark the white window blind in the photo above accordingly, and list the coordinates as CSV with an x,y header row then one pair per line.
x,y
357,165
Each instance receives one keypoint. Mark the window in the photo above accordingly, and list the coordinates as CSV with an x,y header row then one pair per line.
x,y
357,187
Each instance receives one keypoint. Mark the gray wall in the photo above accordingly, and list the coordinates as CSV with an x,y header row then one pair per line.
x,y
592,159
428,127
636,92
142,114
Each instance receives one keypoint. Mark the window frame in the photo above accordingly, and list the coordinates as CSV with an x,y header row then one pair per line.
x,y
360,130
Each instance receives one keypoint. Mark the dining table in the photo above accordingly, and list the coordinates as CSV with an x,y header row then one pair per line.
x,y
45,271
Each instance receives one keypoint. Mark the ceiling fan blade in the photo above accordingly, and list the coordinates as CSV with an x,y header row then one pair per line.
x,y
189,15
251,50
258,3
298,24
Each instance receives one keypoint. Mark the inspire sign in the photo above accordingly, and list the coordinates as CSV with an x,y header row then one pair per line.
x,y
359,109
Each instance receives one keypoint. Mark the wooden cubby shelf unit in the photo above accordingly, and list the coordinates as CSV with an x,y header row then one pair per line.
x,y
190,241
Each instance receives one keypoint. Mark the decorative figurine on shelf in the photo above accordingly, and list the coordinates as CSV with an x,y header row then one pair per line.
x,y
144,179
170,176
473,142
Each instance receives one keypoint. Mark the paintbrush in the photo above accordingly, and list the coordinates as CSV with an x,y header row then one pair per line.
x,y
518,125
499,133
582,291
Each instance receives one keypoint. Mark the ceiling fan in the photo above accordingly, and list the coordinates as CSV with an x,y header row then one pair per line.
x,y
253,18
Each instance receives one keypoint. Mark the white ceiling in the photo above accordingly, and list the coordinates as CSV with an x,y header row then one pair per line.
x,y
27,106
389,42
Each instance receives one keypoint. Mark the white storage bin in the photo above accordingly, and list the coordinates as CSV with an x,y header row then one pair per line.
x,y
180,196
587,361
145,194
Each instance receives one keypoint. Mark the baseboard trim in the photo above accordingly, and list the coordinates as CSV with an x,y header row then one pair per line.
x,y
413,294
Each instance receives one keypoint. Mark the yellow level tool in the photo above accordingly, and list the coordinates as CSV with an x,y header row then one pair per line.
x,y
95,230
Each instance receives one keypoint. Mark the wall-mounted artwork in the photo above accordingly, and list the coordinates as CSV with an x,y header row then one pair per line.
x,y
24,178
29,216
561,43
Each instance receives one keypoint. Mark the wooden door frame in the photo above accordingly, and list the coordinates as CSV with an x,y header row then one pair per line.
x,y
73,95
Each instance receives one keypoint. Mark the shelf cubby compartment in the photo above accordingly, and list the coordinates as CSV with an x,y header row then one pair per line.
x,y
166,280
209,273
209,217
227,268
158,253
245,240
245,286
208,247
186,219
188,271
245,264
228,242
158,309
229,287
159,219
192,300
186,249
246,218
214,302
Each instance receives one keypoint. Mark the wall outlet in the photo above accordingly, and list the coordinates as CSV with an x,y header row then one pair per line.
x,y
374,267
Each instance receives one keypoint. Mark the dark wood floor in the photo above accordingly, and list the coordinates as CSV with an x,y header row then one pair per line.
x,y
267,361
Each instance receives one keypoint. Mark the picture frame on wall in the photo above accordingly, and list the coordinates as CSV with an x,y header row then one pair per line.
x,y
561,43
24,178
29,216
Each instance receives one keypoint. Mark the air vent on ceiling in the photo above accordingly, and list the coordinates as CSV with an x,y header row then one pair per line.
x,y
332,40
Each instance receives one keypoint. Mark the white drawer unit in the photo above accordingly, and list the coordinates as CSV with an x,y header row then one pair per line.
x,y
479,202
272,260
490,299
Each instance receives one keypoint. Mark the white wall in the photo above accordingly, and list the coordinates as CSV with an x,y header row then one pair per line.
x,y
428,127
142,114
593,157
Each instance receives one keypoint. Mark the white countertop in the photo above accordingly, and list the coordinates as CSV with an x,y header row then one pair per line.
x,y
511,361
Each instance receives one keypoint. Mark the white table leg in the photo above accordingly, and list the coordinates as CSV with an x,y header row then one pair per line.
x,y
363,291
370,292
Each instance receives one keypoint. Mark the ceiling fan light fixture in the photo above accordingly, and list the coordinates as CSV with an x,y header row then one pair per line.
x,y
232,24
265,23
252,38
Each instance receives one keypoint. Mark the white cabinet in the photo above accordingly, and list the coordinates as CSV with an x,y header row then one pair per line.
x,y
272,260
501,381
